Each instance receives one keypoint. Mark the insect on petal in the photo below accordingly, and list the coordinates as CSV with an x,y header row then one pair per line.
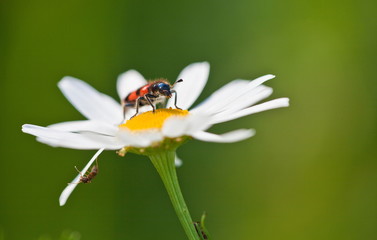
x,y
69,189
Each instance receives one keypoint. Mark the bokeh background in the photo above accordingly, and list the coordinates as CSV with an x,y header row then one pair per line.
x,y
309,173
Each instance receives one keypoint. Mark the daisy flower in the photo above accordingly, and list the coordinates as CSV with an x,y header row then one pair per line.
x,y
155,134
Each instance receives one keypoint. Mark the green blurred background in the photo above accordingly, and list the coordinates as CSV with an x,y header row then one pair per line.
x,y
309,173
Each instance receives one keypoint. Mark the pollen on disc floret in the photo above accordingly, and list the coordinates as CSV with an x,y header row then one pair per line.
x,y
152,120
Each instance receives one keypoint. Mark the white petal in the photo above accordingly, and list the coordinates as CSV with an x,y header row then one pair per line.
x,y
233,136
86,126
198,122
260,80
194,77
148,138
128,82
71,186
57,138
180,126
257,94
219,95
89,102
174,126
224,98
177,161
277,103
140,138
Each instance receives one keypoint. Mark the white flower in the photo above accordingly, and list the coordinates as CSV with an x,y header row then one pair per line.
x,y
105,130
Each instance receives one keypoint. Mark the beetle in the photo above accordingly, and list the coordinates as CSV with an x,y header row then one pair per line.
x,y
87,178
152,93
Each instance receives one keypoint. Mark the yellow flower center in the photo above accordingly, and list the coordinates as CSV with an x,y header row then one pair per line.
x,y
151,119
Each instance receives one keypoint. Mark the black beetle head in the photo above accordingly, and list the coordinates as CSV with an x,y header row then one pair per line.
x,y
164,89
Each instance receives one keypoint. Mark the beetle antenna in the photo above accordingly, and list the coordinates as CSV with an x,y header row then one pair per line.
x,y
178,81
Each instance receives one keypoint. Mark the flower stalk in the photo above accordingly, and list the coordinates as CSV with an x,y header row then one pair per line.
x,y
164,163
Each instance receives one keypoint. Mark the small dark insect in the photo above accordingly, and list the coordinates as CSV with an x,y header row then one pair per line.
x,y
151,93
200,231
88,177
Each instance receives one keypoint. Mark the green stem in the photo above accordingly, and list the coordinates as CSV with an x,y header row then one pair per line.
x,y
164,163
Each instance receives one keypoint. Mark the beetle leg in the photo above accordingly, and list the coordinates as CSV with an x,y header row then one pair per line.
x,y
175,99
137,106
147,96
125,106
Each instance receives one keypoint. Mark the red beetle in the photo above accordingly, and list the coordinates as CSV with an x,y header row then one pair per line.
x,y
151,93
